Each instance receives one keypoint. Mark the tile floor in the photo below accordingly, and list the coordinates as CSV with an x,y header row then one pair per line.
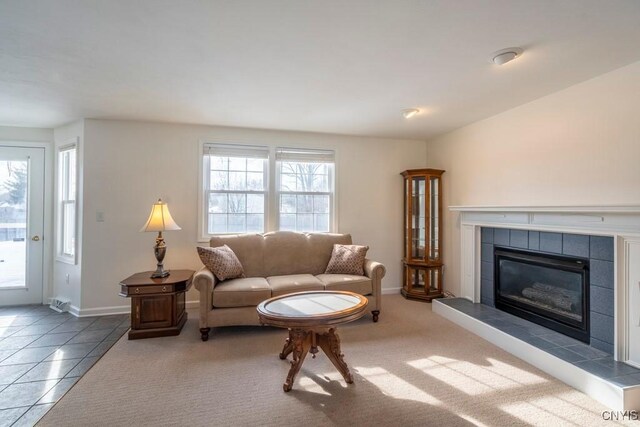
x,y
568,349
42,355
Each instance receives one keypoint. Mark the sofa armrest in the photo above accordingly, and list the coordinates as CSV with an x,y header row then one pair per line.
x,y
204,281
375,271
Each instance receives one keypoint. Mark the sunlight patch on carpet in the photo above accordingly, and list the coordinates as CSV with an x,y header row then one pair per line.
x,y
316,384
474,379
556,407
394,386
472,420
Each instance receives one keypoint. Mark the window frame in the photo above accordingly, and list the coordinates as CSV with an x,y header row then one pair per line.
x,y
272,186
331,184
62,190
206,190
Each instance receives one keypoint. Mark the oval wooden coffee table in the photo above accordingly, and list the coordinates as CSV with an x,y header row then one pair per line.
x,y
312,318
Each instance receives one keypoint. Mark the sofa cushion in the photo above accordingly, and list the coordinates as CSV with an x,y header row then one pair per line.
x,y
347,259
249,248
222,262
281,285
243,292
287,252
346,282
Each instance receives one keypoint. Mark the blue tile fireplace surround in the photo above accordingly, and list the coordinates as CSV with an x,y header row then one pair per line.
x,y
597,249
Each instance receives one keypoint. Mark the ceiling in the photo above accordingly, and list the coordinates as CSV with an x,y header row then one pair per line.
x,y
334,66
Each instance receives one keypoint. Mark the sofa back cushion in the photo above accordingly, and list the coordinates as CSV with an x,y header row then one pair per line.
x,y
282,252
287,252
248,248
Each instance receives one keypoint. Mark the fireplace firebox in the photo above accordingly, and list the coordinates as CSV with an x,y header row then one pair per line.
x,y
550,290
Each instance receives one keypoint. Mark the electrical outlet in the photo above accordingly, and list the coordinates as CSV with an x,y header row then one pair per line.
x,y
99,216
67,277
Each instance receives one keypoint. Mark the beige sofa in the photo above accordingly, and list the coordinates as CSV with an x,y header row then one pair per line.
x,y
278,263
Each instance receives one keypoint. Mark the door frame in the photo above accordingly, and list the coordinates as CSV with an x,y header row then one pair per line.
x,y
48,238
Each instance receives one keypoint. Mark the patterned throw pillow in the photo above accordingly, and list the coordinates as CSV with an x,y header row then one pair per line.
x,y
222,262
347,259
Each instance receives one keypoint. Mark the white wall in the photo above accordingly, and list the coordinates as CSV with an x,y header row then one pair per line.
x,y
9,133
128,165
64,135
579,146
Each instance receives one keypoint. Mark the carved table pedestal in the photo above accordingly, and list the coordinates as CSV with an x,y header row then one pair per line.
x,y
312,318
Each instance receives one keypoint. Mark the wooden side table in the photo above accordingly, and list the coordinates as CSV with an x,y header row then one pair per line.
x,y
157,305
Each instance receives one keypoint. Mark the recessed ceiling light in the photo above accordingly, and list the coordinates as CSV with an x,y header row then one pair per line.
x,y
503,56
410,112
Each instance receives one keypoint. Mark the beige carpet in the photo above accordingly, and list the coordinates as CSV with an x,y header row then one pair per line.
x,y
411,368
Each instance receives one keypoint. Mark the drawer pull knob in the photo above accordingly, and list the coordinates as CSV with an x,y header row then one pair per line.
x,y
164,288
137,290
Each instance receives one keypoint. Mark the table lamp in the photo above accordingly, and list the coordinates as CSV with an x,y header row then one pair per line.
x,y
160,220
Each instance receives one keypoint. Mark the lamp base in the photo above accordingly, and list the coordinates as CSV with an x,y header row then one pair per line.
x,y
160,273
160,250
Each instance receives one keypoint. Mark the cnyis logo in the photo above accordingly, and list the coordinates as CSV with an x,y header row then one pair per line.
x,y
620,415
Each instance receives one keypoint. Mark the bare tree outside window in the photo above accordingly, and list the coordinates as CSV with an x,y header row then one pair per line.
x,y
237,194
16,184
305,196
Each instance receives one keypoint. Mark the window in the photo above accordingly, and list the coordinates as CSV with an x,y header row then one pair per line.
x,y
305,189
245,190
236,188
67,203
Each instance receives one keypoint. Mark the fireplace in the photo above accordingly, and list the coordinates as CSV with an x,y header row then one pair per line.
x,y
550,290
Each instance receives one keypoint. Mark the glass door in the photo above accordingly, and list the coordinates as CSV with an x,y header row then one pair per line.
x,y
21,225
434,219
418,218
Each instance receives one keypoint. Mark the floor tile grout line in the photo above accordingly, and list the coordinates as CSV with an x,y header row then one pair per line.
x,y
33,404
36,365
5,358
20,417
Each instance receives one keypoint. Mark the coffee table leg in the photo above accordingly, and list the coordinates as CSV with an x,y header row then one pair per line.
x,y
288,347
330,343
301,344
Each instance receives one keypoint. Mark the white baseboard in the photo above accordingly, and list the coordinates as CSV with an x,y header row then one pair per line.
x,y
119,309
126,309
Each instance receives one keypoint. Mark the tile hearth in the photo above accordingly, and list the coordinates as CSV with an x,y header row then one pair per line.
x,y
584,367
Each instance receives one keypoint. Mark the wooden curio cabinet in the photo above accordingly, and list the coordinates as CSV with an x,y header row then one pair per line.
x,y
422,262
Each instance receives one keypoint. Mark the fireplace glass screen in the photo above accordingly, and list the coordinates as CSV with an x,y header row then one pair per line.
x,y
556,291
548,290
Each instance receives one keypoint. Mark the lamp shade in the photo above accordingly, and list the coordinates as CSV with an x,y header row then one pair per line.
x,y
160,218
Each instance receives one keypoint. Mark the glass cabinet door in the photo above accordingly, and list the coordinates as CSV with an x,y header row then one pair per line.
x,y
418,218
434,218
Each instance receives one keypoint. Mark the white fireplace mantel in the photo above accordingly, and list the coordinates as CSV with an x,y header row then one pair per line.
x,y
620,222
631,209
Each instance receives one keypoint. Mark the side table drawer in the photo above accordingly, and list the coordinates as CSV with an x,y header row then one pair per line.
x,y
145,290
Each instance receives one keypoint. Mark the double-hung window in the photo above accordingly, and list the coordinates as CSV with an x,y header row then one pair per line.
x,y
305,184
236,188
67,203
